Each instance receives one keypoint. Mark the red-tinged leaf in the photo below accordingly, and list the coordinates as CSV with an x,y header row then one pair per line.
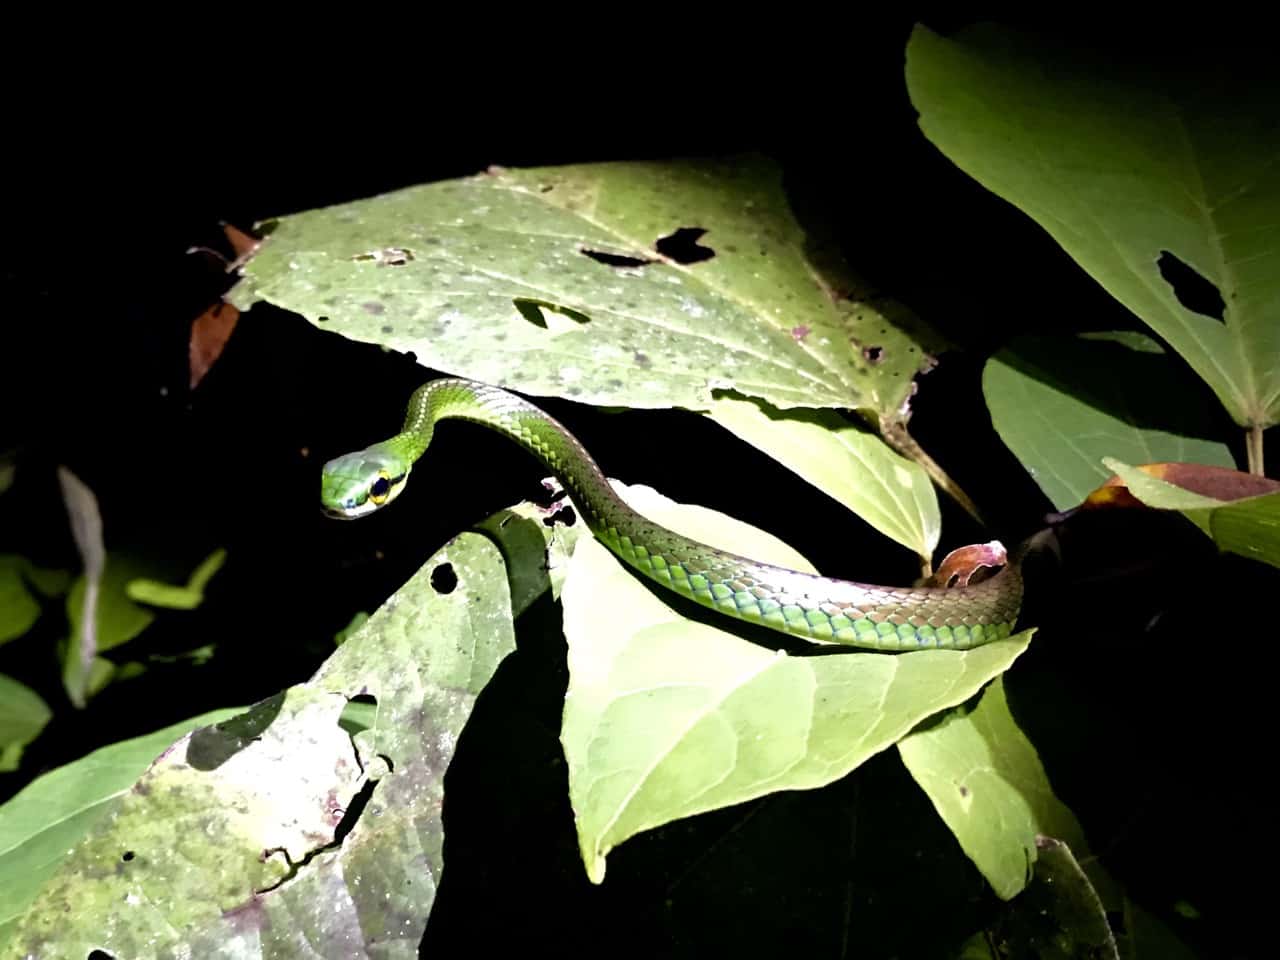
x,y
209,335
960,565
242,243
1219,483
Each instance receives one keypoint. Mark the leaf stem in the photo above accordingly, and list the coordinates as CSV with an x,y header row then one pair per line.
x,y
895,433
1253,444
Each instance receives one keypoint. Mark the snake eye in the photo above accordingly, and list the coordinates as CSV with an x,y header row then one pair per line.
x,y
381,489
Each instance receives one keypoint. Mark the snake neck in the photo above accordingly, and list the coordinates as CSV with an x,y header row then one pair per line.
x,y
529,427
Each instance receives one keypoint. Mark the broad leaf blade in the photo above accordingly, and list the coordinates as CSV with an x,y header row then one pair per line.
x,y
1133,175
853,466
563,269
1249,526
232,832
23,714
986,781
666,717
52,814
1062,404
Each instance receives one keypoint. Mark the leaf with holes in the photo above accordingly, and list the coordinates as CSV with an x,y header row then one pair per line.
x,y
234,842
854,466
623,284
667,716
1061,404
986,781
54,812
1165,188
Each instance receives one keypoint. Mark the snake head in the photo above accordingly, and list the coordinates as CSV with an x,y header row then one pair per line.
x,y
355,484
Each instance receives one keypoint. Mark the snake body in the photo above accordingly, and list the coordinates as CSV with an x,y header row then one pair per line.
x,y
790,601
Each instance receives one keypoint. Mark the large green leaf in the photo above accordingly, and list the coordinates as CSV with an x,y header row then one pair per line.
x,y
1061,404
53,813
229,846
1131,172
552,281
667,716
556,281
855,467
23,714
986,781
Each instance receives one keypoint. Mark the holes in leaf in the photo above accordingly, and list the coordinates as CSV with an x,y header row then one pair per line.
x,y
682,246
614,259
127,856
531,310
443,579
563,514
1194,291
386,257
873,355
100,955
353,811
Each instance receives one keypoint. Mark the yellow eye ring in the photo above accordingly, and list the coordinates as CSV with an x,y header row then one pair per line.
x,y
380,489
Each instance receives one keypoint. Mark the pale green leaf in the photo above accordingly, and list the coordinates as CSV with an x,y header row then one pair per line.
x,y
253,804
1124,169
551,281
1249,527
54,812
188,597
666,717
987,783
1061,404
18,608
23,714
853,466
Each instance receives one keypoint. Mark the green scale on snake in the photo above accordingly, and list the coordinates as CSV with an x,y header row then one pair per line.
x,y
792,602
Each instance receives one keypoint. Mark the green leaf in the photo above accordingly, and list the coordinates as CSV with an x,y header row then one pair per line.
x,y
1249,527
23,714
552,281
1130,172
226,845
1061,404
18,608
158,594
854,467
666,717
987,783
54,812
118,619
1060,917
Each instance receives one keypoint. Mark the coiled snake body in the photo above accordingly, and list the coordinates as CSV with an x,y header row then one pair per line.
x,y
795,603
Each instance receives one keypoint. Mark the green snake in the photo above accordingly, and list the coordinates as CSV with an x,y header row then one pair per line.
x,y
790,601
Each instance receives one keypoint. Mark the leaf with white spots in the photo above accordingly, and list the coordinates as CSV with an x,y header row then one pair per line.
x,y
987,783
229,844
668,716
623,284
